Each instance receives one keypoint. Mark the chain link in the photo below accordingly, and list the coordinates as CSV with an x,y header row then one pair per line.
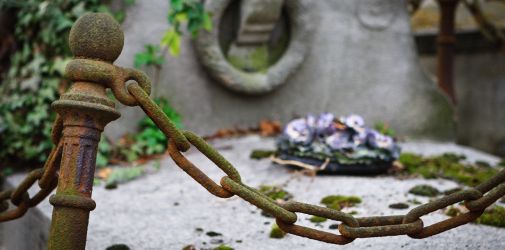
x,y
47,179
476,199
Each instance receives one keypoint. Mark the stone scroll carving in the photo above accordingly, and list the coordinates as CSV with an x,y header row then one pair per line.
x,y
376,14
253,33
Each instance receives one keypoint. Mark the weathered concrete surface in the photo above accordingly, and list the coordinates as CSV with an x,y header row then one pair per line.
x,y
357,63
163,210
480,93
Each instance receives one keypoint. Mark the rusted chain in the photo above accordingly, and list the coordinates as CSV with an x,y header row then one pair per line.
x,y
314,234
410,224
380,226
159,117
46,176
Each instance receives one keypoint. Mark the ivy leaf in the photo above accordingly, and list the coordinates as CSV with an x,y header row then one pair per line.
x,y
172,40
207,22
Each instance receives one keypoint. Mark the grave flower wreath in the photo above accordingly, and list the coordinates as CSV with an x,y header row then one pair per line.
x,y
336,145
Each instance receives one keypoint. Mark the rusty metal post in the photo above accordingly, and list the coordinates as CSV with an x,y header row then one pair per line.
x,y
446,41
85,110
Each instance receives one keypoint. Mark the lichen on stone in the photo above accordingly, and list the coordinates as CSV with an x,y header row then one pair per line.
x,y
424,190
276,232
317,219
338,202
447,166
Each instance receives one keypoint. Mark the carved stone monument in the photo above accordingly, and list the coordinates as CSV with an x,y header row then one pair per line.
x,y
360,58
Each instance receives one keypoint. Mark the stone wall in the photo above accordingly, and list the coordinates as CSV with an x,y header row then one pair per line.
x,y
480,93
356,63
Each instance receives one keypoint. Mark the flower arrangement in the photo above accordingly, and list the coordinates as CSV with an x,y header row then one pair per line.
x,y
341,141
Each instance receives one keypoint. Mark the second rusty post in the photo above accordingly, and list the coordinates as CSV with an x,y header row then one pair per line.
x,y
445,50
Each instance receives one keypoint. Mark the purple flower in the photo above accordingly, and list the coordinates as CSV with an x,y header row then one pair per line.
x,y
378,140
339,140
298,131
353,121
324,124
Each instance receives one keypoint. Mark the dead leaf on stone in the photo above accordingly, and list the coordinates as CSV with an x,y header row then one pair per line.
x,y
104,173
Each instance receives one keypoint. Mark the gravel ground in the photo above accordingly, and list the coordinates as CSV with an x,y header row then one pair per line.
x,y
165,210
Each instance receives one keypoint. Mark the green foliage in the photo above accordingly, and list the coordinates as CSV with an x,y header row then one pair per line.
x,y
338,202
449,166
384,128
36,72
191,12
150,57
121,175
103,153
150,140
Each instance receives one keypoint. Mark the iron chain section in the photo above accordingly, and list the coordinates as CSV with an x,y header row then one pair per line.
x,y
47,180
475,199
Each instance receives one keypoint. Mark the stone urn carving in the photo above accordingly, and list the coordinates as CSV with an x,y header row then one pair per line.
x,y
256,44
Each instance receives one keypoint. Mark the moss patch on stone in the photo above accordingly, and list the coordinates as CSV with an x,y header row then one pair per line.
x,y
447,166
424,190
276,232
317,219
275,192
259,154
399,205
224,247
338,202
493,216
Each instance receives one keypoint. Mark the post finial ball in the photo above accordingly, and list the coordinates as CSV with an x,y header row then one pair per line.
x,y
97,36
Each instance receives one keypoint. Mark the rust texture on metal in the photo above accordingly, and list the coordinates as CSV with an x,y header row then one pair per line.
x,y
96,41
445,53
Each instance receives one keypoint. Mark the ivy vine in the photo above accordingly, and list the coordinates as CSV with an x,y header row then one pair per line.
x,y
34,78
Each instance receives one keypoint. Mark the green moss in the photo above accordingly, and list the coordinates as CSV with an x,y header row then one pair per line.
x,y
275,192
276,232
338,202
494,217
414,201
317,219
424,190
448,166
452,211
256,61
399,205
259,154
224,247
